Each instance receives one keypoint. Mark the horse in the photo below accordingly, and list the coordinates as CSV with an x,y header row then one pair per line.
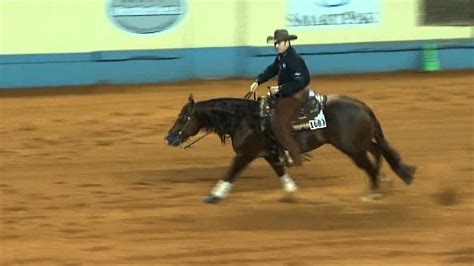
x,y
352,128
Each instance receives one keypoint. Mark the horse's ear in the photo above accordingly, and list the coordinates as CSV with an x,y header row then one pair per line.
x,y
191,99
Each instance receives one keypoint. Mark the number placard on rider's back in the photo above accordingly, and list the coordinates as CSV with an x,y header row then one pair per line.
x,y
333,13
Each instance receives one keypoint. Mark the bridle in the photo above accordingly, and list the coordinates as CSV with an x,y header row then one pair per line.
x,y
186,124
188,120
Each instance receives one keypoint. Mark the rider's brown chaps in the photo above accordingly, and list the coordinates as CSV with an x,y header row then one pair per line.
x,y
287,109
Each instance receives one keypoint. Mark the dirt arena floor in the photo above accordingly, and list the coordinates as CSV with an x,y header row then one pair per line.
x,y
86,178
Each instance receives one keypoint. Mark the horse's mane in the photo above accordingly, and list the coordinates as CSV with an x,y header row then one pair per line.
x,y
223,116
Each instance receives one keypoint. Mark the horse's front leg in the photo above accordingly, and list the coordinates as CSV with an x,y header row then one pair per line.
x,y
223,187
287,182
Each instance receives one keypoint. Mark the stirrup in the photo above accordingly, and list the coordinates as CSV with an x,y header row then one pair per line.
x,y
285,160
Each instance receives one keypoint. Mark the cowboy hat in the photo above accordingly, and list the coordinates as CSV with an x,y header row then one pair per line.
x,y
281,35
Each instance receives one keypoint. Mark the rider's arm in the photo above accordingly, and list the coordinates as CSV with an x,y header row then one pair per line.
x,y
268,73
300,77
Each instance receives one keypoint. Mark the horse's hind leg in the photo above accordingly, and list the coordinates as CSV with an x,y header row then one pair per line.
x,y
362,160
287,182
224,186
377,153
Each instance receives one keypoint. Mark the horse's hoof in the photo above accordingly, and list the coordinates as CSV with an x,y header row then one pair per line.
x,y
372,197
210,199
408,180
409,174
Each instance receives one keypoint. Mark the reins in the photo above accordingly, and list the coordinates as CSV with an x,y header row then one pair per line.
x,y
249,95
196,140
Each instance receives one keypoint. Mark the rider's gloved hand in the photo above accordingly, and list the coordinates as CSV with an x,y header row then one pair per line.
x,y
273,90
254,87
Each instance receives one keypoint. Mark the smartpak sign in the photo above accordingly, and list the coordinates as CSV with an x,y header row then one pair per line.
x,y
332,13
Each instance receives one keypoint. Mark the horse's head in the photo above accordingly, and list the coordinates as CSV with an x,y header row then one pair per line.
x,y
185,126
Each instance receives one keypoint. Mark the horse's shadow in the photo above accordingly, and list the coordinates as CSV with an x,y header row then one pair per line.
x,y
313,217
270,211
258,178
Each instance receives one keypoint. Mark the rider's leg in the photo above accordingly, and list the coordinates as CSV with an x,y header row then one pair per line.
x,y
286,109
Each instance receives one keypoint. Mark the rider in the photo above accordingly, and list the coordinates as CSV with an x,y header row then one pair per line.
x,y
293,80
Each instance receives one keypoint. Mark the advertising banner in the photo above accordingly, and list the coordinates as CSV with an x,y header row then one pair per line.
x,y
333,13
144,17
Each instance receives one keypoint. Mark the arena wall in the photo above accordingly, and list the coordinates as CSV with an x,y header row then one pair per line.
x,y
60,42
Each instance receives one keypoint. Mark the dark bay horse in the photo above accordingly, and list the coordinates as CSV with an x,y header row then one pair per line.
x,y
351,128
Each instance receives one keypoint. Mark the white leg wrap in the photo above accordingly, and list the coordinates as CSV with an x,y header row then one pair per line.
x,y
288,183
221,189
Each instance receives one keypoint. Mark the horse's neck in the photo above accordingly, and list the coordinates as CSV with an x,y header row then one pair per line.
x,y
226,106
223,114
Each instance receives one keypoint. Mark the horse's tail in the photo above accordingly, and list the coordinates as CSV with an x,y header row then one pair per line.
x,y
404,171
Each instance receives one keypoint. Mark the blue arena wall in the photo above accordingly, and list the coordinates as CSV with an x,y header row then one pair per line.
x,y
151,66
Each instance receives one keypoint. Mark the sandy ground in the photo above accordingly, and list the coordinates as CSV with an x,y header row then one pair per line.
x,y
86,178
